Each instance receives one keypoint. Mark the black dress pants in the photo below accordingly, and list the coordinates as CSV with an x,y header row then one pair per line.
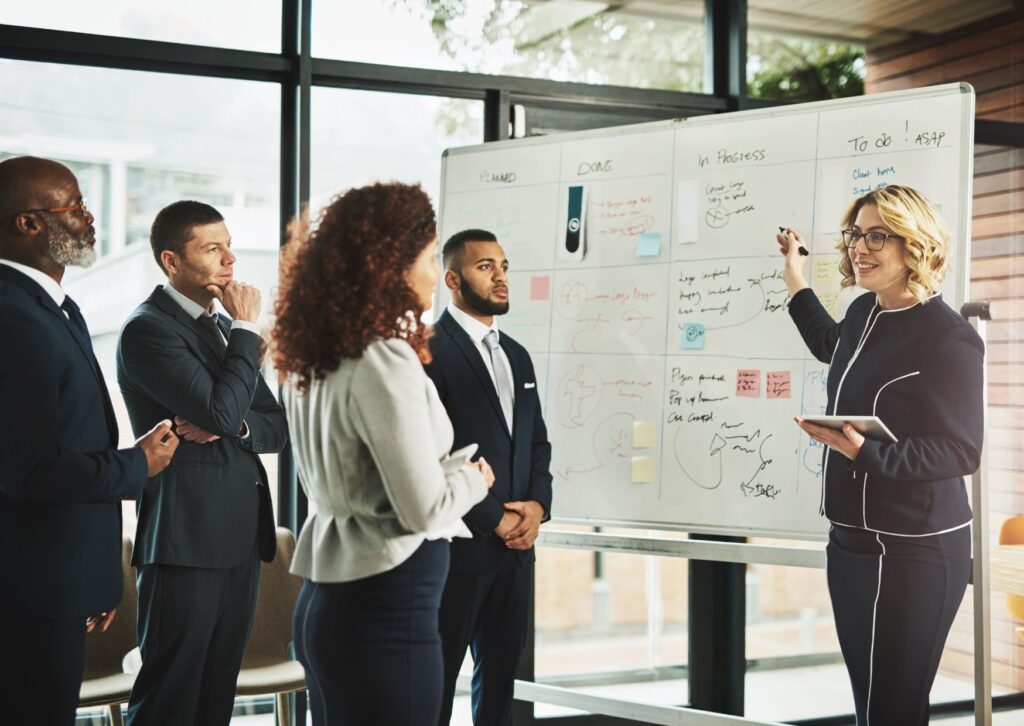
x,y
894,600
193,627
489,614
44,659
370,647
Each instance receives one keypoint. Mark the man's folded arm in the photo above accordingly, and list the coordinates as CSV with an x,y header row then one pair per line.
x,y
162,366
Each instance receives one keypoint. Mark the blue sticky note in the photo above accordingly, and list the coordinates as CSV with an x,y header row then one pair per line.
x,y
692,336
649,245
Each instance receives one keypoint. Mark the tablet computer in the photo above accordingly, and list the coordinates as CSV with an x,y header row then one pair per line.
x,y
869,426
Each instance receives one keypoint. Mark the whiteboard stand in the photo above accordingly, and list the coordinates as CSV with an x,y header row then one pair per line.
x,y
979,313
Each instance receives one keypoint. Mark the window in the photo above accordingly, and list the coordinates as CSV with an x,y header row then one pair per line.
x,y
177,137
360,137
242,24
560,40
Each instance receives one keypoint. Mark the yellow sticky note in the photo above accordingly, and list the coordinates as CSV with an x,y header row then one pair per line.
x,y
642,470
644,434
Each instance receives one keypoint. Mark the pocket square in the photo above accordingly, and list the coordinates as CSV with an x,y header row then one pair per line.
x,y
529,385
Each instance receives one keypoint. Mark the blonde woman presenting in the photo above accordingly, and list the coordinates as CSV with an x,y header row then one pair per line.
x,y
899,551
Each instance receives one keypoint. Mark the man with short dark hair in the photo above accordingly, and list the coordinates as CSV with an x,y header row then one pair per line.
x,y
487,384
205,523
62,477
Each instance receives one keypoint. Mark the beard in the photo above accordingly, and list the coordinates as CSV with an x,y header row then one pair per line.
x,y
478,303
67,250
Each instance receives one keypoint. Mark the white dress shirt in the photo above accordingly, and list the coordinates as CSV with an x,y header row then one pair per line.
x,y
477,331
51,286
194,309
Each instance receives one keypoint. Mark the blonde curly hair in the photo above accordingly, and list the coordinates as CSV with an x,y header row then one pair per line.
x,y
909,215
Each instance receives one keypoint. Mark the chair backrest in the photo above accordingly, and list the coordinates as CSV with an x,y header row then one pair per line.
x,y
1012,533
105,651
279,589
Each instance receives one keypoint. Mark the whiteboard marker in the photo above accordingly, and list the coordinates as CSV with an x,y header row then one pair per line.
x,y
803,250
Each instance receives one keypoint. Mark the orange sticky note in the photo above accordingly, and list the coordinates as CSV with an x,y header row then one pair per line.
x,y
748,383
778,384
540,288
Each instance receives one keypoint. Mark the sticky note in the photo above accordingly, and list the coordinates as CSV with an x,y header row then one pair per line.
x,y
644,434
686,211
641,471
778,384
826,269
691,336
649,244
540,287
748,383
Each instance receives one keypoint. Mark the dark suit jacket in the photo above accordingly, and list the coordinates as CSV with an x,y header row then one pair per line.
x,y
203,510
521,459
61,477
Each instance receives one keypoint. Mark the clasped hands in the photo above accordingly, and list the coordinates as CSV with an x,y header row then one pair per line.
x,y
520,524
847,442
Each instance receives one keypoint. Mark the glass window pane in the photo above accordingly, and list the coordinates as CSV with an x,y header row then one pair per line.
x,y
800,51
612,624
241,24
137,142
661,46
360,137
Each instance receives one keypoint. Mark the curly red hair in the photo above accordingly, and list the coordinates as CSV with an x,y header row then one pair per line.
x,y
343,284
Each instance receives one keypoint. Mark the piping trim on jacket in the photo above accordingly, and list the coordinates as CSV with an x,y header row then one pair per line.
x,y
874,623
868,325
900,534
874,408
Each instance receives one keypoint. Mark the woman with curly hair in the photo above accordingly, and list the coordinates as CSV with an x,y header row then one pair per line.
x,y
371,440
899,550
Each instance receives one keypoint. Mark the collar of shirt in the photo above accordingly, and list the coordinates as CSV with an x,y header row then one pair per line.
x,y
194,309
476,330
51,286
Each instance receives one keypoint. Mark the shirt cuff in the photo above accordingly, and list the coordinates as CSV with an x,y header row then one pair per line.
x,y
244,433
246,325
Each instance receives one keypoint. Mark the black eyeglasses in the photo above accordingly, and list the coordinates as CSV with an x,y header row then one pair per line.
x,y
81,208
874,240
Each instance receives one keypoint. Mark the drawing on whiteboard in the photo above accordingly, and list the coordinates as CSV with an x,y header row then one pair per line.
x,y
718,196
813,399
604,317
578,394
620,211
611,443
726,296
581,390
747,454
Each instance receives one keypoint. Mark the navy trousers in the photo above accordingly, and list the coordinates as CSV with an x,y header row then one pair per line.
x,y
894,600
44,662
488,613
193,627
370,647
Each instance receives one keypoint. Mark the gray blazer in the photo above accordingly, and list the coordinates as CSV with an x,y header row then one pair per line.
x,y
368,441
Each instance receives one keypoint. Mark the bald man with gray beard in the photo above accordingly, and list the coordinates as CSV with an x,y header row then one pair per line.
x,y
62,477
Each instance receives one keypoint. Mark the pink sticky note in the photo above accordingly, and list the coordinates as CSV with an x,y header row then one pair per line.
x,y
540,288
778,384
748,383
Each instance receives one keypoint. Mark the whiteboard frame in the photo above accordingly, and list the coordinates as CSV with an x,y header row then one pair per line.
x,y
959,267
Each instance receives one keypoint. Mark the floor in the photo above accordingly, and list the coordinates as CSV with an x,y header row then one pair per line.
x,y
789,694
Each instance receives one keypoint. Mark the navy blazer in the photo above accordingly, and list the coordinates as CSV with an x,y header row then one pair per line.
x,y
921,370
204,509
61,475
521,459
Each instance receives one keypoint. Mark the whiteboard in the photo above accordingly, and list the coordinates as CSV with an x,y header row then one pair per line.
x,y
667,363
